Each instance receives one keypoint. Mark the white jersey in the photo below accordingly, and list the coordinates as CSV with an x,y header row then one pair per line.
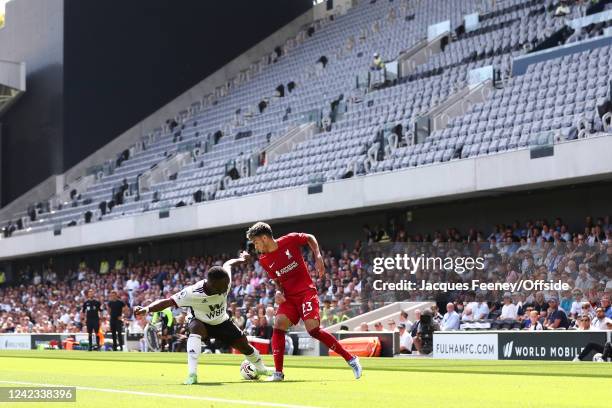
x,y
199,305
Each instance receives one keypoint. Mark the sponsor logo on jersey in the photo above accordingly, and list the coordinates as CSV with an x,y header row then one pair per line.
x,y
287,268
215,311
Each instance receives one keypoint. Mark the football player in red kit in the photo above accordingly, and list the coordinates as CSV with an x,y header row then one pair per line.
x,y
296,296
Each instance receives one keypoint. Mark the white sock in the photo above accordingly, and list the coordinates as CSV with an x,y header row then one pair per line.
x,y
194,349
255,358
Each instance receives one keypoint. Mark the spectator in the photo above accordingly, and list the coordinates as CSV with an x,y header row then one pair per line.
x,y
239,319
556,317
467,315
566,302
405,339
391,326
576,308
480,308
587,310
540,303
404,318
451,319
584,281
251,324
509,309
263,329
436,316
518,299
584,323
605,303
363,327
533,323
601,321
131,286
179,338
377,63
563,9
346,276
378,326
270,315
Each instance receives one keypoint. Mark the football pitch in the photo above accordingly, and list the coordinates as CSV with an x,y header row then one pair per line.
x,y
115,380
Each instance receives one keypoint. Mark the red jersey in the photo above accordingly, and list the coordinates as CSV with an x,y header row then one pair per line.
x,y
287,265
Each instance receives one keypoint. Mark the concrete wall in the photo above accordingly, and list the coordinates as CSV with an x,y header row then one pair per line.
x,y
33,127
575,162
12,74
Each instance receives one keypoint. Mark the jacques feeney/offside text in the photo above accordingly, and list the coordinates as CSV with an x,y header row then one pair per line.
x,y
424,285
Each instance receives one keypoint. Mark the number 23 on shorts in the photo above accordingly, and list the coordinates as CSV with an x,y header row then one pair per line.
x,y
306,307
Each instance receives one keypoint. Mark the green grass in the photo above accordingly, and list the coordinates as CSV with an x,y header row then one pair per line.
x,y
311,381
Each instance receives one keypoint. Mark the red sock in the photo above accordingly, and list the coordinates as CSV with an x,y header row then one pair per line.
x,y
330,341
278,348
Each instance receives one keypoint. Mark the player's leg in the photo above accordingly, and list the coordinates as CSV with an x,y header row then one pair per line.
x,y
598,348
97,333
310,315
113,327
197,331
89,333
232,335
286,315
120,334
607,353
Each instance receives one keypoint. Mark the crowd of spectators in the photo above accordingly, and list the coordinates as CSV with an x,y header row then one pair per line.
x,y
50,301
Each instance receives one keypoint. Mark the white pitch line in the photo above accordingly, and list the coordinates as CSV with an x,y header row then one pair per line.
x,y
154,394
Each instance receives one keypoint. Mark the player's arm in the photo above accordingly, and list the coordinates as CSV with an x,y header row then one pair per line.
x,y
314,247
279,295
156,306
227,266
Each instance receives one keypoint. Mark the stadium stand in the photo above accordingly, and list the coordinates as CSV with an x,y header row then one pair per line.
x,y
48,300
218,150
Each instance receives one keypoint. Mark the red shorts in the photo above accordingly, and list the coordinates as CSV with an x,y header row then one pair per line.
x,y
304,306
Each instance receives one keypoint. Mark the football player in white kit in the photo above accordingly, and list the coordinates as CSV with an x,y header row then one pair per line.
x,y
206,305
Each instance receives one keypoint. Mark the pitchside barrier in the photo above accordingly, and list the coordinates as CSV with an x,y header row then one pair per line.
x,y
559,345
34,341
304,345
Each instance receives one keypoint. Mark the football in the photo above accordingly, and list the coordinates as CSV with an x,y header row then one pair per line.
x,y
247,371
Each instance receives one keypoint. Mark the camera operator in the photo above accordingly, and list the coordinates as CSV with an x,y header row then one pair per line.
x,y
424,337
